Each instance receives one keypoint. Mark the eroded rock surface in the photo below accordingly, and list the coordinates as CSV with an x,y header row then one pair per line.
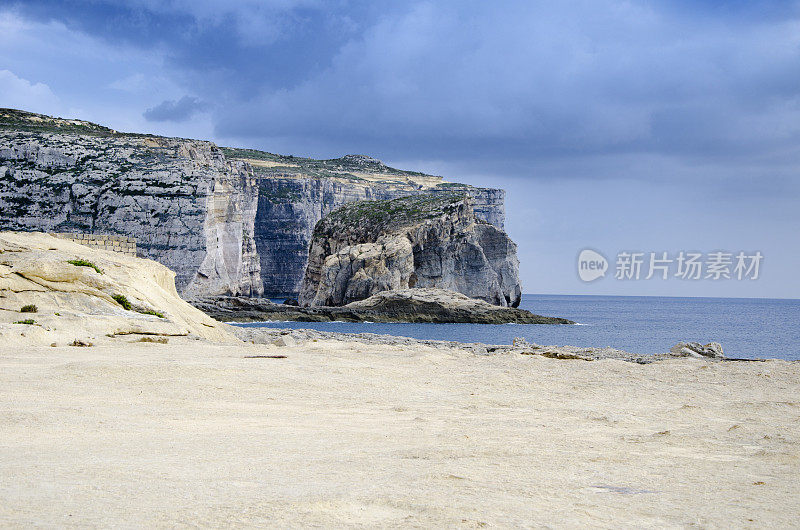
x,y
45,299
695,349
438,305
295,193
426,305
227,221
187,205
412,242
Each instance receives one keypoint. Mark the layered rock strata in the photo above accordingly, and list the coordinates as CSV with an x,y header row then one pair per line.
x,y
426,305
57,292
432,240
227,221
184,203
289,207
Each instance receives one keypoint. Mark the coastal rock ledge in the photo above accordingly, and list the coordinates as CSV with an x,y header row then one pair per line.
x,y
438,305
422,305
435,241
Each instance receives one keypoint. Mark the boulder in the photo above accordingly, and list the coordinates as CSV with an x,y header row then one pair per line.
x,y
284,341
695,349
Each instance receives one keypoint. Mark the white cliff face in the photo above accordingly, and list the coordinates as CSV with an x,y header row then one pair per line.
x,y
356,272
414,242
224,225
231,263
290,206
187,206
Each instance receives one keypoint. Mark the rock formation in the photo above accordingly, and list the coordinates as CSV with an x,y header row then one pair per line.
x,y
290,206
417,241
420,305
695,349
295,193
187,206
227,221
438,305
55,291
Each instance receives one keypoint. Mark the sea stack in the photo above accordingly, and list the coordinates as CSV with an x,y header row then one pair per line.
x,y
428,240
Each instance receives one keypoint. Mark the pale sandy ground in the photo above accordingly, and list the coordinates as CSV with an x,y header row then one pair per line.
x,y
337,434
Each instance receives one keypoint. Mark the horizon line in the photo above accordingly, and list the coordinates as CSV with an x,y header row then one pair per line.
x,y
666,296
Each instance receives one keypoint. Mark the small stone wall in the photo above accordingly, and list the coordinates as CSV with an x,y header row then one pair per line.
x,y
121,244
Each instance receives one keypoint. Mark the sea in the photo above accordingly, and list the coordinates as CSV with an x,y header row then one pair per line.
x,y
753,328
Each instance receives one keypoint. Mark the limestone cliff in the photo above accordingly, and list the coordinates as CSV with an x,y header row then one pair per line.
x,y
227,221
430,240
295,193
187,206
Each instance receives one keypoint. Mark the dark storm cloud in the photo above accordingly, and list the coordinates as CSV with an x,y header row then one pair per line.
x,y
175,110
513,82
259,44
442,81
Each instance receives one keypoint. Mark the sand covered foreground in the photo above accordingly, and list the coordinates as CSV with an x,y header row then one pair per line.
x,y
345,434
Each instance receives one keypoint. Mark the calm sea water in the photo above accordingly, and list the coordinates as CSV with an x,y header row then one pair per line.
x,y
746,327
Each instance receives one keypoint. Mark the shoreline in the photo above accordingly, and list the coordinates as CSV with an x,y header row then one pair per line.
x,y
263,335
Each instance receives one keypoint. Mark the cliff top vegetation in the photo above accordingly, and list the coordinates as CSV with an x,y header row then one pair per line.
x,y
370,219
20,120
349,167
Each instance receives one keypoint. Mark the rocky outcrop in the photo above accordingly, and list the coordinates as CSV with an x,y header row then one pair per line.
x,y
695,349
227,221
55,291
431,240
231,264
290,205
426,305
438,305
187,206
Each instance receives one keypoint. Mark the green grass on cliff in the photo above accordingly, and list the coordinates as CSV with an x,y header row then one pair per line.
x,y
370,218
347,167
122,300
31,122
21,120
85,263
254,154
453,185
343,167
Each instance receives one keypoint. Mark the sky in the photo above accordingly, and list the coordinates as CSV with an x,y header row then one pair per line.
x,y
619,126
